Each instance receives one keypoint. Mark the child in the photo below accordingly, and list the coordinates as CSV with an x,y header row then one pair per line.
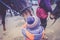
x,y
32,30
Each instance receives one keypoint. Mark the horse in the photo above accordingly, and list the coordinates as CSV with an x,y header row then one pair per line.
x,y
16,5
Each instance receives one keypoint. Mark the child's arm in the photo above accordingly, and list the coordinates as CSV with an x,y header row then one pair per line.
x,y
29,35
24,25
26,32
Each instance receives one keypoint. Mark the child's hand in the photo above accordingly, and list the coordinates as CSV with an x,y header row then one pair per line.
x,y
24,25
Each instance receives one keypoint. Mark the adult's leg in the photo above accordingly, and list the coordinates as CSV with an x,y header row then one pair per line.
x,y
43,22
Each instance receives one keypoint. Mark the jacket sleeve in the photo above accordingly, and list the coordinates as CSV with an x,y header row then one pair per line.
x,y
39,1
48,4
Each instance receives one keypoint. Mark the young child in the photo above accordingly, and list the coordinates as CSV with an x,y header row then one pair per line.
x,y
32,30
